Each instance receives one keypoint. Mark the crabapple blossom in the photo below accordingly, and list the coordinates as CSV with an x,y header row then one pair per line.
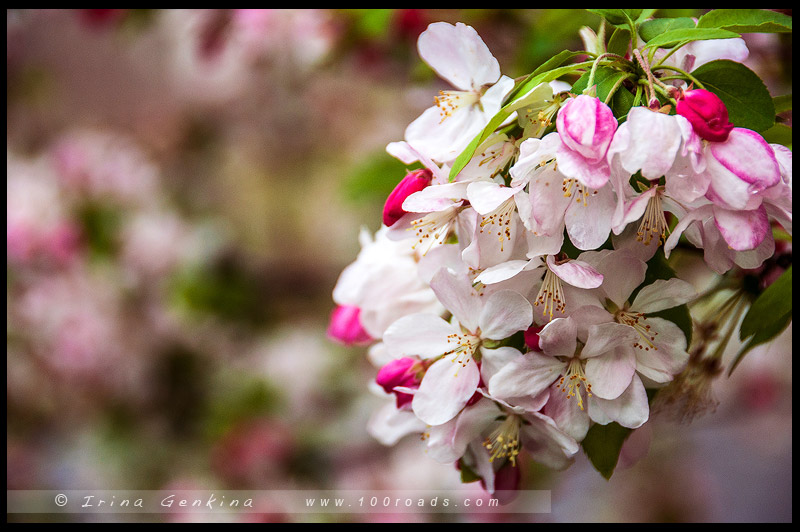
x,y
452,379
383,283
562,207
458,55
594,366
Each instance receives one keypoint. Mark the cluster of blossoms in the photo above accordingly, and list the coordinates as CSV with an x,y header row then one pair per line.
x,y
506,297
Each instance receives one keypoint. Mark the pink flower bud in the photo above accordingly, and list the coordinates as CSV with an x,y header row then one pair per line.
x,y
506,483
707,114
412,182
345,326
400,372
532,337
586,125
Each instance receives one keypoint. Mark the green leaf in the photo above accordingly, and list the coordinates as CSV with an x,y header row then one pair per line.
x,y
603,444
605,78
747,20
619,42
467,474
773,302
769,332
782,103
651,29
779,134
741,90
554,62
672,38
618,17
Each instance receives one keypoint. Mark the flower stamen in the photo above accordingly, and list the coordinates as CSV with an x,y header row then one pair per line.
x,y
450,101
500,218
637,320
551,294
503,442
575,377
654,223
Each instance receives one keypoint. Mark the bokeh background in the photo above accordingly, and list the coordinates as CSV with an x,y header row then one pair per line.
x,y
184,188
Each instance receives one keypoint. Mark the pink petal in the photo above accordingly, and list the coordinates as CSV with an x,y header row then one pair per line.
x,y
747,158
576,272
742,230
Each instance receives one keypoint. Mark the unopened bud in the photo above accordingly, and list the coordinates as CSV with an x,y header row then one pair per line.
x,y
412,182
345,326
399,372
707,114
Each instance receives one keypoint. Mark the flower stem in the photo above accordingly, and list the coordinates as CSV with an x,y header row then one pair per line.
x,y
682,73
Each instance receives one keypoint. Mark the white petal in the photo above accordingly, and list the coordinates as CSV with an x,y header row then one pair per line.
x,y
436,198
663,294
504,313
501,272
458,55
486,196
559,338
607,338
589,225
619,287
670,357
630,409
421,334
530,374
457,296
611,374
388,424
445,389
448,442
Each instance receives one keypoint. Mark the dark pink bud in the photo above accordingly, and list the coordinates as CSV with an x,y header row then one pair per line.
x,y
400,372
506,483
532,337
345,326
707,114
412,182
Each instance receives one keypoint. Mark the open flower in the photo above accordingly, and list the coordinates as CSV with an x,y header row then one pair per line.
x,y
458,55
660,345
451,381
555,201
594,367
492,433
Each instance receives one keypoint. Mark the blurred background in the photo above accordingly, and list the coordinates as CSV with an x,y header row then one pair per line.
x,y
184,188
